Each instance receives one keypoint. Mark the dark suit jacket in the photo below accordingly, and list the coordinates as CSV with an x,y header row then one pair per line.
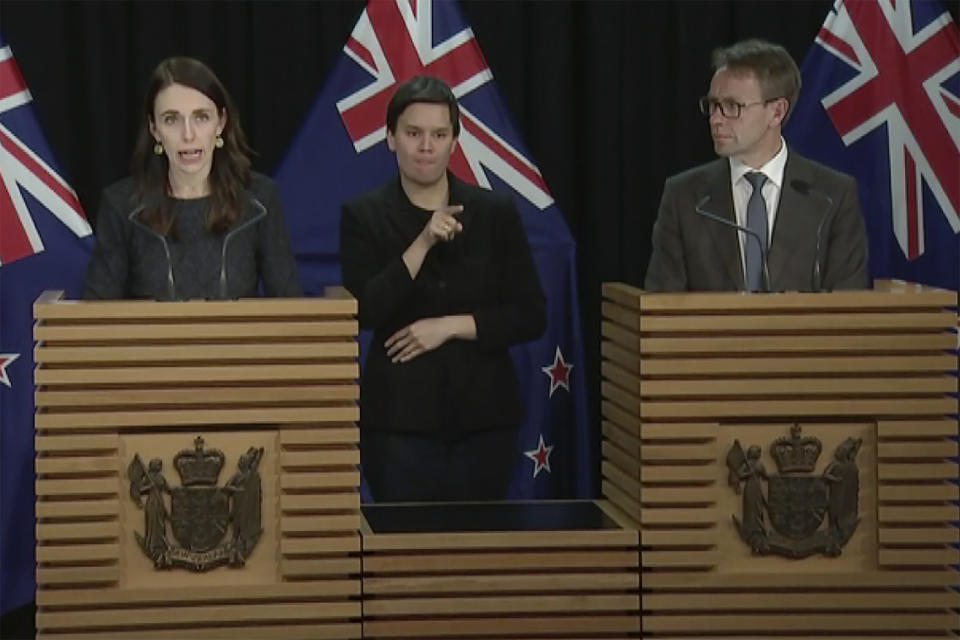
x,y
131,260
694,253
486,271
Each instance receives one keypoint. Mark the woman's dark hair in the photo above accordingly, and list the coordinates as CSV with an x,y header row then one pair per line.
x,y
230,167
423,89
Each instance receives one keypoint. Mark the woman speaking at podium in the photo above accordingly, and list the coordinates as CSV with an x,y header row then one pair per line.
x,y
192,222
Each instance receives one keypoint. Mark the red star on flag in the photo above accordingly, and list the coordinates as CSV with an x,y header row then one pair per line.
x,y
558,372
6,359
540,457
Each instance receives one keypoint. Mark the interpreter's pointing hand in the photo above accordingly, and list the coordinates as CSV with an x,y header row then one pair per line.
x,y
443,224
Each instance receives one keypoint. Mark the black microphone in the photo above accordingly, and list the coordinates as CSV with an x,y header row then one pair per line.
x,y
753,234
804,189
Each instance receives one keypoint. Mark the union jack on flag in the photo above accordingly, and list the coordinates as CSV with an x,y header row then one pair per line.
x,y
44,244
881,101
409,51
340,152
21,167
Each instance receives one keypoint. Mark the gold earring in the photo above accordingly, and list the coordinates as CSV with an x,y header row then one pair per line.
x,y
158,149
219,141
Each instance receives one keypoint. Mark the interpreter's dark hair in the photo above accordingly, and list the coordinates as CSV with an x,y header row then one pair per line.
x,y
773,66
230,167
423,89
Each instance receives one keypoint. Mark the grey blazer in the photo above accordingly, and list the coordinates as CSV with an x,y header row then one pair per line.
x,y
693,253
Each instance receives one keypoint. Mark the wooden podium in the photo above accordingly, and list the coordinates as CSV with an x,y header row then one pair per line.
x,y
117,380
855,389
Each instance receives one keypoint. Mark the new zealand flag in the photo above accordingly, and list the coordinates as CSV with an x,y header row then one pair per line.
x,y
341,152
45,243
881,101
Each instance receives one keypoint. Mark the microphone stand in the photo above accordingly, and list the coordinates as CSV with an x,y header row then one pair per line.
x,y
753,234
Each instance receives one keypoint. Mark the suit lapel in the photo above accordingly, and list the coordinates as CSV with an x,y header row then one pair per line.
x,y
792,225
724,238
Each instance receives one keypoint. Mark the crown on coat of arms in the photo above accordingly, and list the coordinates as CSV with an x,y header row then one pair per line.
x,y
796,454
199,465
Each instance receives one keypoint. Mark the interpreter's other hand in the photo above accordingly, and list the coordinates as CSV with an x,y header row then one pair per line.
x,y
443,225
417,338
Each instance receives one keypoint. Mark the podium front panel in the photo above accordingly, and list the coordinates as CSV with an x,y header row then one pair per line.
x,y
558,569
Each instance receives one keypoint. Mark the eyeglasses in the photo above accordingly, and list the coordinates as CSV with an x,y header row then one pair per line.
x,y
729,108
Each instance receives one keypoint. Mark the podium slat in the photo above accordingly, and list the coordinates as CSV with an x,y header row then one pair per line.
x,y
934,405
919,536
199,374
100,420
694,367
77,553
145,617
584,582
812,581
328,631
800,344
320,545
312,351
319,457
824,601
74,508
916,557
272,393
476,626
808,322
917,471
78,531
193,310
819,386
500,605
914,513
894,450
377,564
918,492
313,502
743,622
77,464
193,332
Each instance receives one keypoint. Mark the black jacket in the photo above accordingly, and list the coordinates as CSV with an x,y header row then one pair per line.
x,y
486,271
131,260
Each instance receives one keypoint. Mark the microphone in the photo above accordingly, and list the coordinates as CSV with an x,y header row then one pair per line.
x,y
753,234
804,189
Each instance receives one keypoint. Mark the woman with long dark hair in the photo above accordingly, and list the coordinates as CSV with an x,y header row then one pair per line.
x,y
192,221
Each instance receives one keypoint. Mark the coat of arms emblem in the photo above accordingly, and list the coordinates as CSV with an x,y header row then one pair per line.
x,y
200,512
796,501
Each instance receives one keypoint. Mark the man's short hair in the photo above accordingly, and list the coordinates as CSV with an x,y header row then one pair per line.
x,y
423,89
773,66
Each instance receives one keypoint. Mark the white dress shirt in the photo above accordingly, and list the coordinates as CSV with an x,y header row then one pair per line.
x,y
742,190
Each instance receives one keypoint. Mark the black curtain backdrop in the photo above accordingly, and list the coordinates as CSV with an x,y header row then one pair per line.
x,y
604,93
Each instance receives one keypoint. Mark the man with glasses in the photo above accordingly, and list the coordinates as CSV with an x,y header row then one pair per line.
x,y
800,222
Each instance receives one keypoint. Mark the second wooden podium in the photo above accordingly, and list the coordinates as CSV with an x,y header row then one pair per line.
x,y
789,459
